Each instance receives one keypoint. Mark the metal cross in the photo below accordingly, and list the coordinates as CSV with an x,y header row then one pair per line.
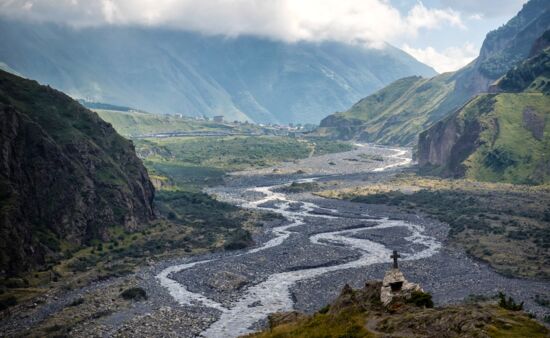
x,y
395,256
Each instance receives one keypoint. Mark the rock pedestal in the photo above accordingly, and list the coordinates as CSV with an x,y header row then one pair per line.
x,y
395,285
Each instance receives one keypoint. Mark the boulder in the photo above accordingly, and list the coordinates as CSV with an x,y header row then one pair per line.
x,y
227,281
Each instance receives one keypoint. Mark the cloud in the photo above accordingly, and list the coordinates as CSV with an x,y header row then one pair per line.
x,y
475,16
422,17
450,59
371,21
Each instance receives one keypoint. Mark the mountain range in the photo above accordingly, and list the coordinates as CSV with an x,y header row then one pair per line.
x,y
397,113
172,71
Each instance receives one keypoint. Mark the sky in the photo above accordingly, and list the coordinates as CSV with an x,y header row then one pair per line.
x,y
445,34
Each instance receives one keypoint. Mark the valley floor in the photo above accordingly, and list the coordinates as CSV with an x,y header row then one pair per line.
x,y
301,259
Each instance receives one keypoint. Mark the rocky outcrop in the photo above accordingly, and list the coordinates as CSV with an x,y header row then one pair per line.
x,y
359,313
540,44
339,127
363,299
65,176
534,122
512,43
395,286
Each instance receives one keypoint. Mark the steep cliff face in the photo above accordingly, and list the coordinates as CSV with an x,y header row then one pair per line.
x,y
65,176
411,105
497,137
443,148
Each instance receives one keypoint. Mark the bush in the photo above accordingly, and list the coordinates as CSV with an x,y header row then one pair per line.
x,y
135,293
508,304
77,302
421,299
14,283
499,159
240,239
542,301
296,187
324,309
7,302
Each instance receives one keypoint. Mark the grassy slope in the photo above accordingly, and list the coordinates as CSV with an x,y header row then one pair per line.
x,y
513,141
135,123
233,153
353,324
396,113
512,138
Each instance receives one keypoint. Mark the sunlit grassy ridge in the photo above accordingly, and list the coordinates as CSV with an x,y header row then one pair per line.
x,y
134,123
509,151
396,113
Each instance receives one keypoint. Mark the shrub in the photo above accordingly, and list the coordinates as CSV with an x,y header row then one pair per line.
x,y
54,328
240,239
325,309
421,299
7,302
135,293
14,283
499,159
508,304
77,302
542,301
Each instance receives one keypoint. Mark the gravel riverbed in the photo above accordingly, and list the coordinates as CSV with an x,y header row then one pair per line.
x,y
302,260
